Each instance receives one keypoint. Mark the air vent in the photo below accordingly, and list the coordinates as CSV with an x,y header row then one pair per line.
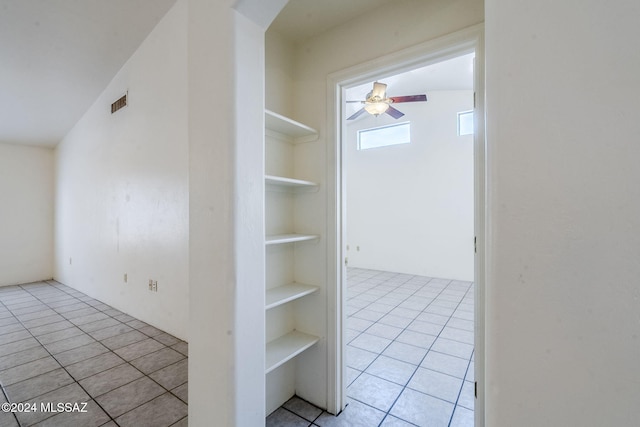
x,y
122,102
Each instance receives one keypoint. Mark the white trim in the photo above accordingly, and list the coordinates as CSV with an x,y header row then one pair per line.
x,y
480,215
336,392
437,50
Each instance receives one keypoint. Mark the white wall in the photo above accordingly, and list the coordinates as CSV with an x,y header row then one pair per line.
x,y
410,206
211,222
563,301
279,63
122,187
226,210
26,214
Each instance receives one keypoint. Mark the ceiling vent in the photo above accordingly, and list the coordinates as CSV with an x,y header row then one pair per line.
x,y
122,102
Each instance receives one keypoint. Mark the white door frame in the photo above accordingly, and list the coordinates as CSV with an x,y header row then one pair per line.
x,y
461,42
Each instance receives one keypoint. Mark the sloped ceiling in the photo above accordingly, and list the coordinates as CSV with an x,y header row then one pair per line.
x,y
57,56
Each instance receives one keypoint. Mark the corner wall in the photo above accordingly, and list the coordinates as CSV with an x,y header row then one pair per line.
x,y
226,210
26,214
122,186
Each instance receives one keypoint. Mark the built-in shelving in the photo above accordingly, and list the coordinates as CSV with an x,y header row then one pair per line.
x,y
287,293
278,239
281,181
291,307
294,131
287,347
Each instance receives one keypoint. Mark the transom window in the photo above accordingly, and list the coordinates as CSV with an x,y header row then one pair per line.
x,y
465,123
384,136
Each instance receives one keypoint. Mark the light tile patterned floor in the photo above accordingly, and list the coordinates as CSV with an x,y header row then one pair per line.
x,y
58,345
409,355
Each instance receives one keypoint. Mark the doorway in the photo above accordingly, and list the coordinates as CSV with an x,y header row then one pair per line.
x,y
409,232
452,296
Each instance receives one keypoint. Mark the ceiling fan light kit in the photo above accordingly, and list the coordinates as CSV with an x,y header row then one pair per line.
x,y
377,102
376,108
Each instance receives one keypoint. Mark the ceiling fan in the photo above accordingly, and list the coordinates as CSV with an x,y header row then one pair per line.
x,y
377,102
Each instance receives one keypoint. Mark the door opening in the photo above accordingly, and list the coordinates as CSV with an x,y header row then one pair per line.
x,y
409,243
384,270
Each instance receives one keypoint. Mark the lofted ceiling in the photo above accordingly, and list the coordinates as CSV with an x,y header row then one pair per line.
x,y
57,56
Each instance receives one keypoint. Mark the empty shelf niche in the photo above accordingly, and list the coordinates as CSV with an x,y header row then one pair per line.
x,y
287,293
285,348
284,127
280,182
278,239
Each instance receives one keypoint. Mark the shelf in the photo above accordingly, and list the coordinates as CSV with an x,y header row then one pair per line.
x,y
281,181
296,132
287,347
289,238
286,293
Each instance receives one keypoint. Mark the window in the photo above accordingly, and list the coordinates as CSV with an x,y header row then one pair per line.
x,y
384,136
465,123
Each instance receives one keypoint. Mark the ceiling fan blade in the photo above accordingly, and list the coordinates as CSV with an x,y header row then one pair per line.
x,y
357,114
409,98
379,90
394,113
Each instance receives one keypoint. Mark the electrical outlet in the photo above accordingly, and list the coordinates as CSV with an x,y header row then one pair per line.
x,y
150,284
125,277
154,288
70,261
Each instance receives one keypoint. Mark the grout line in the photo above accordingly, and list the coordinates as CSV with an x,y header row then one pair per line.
x,y
59,289
455,407
445,287
422,360
298,415
4,392
61,366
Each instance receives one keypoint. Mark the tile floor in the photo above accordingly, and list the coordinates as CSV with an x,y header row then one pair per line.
x,y
409,355
58,345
